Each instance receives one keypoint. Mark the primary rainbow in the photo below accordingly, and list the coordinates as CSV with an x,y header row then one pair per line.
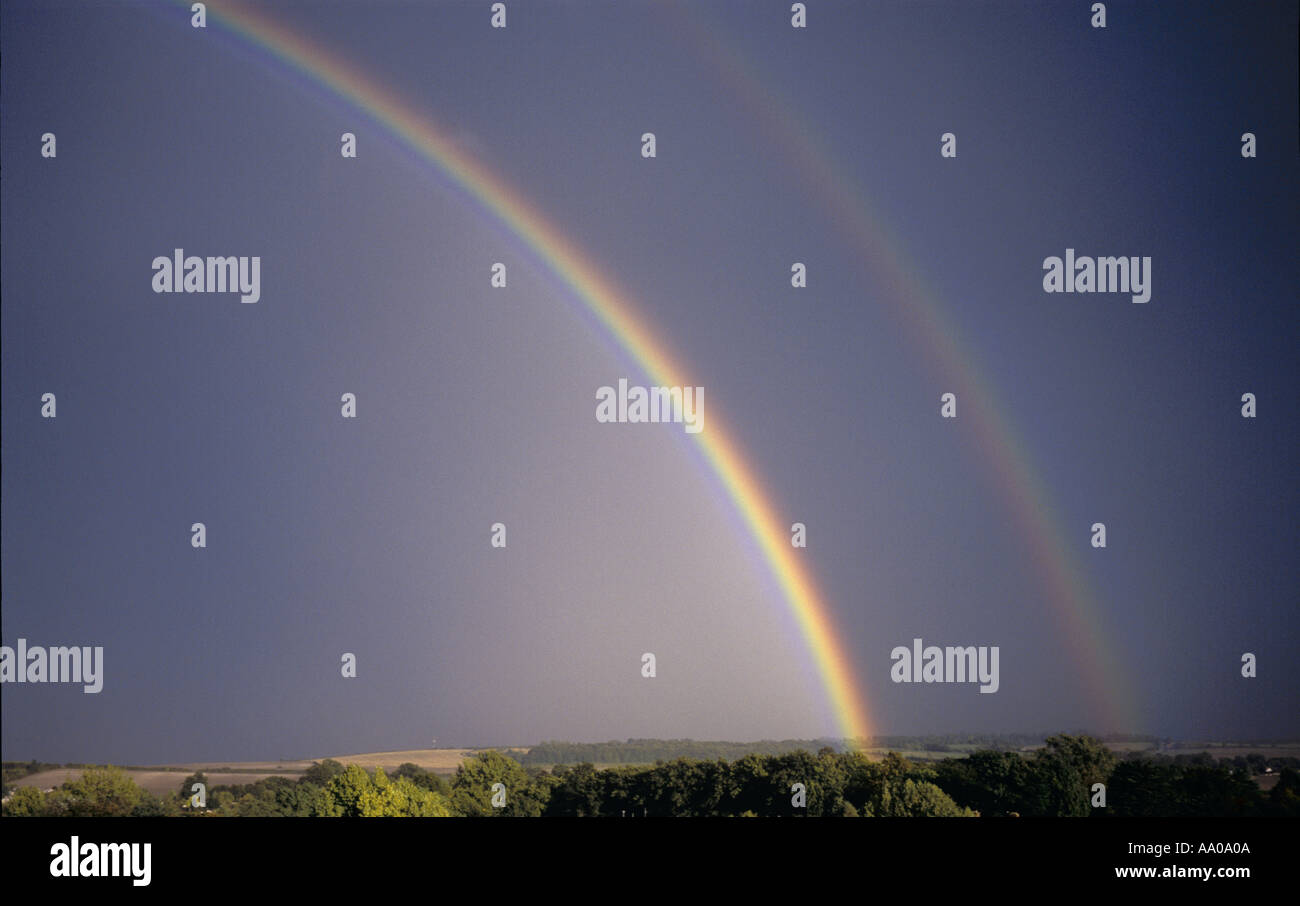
x,y
611,309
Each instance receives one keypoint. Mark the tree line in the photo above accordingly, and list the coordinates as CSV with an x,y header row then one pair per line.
x,y
649,751
1059,780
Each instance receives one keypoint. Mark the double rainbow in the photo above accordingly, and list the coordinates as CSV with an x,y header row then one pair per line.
x,y
610,308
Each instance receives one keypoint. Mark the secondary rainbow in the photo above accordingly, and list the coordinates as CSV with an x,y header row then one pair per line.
x,y
1053,550
611,309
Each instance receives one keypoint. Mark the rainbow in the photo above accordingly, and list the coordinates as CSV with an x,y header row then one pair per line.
x,y
611,309
1051,549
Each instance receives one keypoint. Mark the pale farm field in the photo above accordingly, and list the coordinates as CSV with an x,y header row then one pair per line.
x,y
159,779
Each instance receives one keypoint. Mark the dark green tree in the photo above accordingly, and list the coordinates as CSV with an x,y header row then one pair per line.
x,y
472,786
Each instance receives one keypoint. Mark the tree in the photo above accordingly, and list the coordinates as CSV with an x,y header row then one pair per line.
x,y
990,782
150,806
915,799
305,800
1284,799
420,777
400,799
187,787
322,772
25,802
752,787
471,788
1070,765
534,798
821,779
684,787
101,793
863,779
579,791
1056,789
1145,787
347,790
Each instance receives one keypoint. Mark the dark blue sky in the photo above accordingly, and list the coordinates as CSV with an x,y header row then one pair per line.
x,y
476,405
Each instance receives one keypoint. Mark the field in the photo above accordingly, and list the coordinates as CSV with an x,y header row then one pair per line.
x,y
159,779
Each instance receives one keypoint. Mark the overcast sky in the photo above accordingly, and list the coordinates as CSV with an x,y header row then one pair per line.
x,y
476,405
